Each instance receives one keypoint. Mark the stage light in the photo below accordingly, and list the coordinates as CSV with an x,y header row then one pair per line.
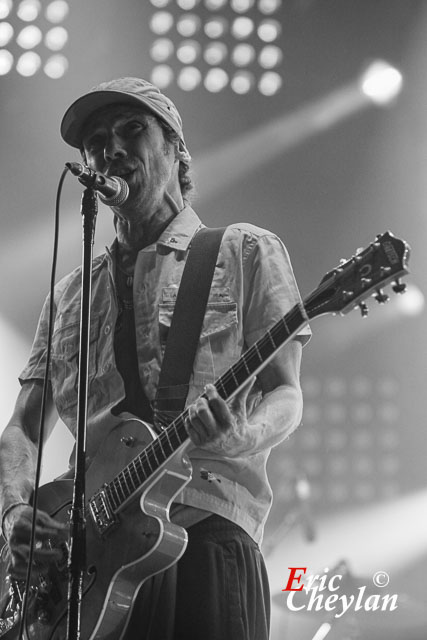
x,y
160,4
269,6
162,76
335,387
381,82
269,30
57,11
362,412
216,28
389,439
215,5
28,10
338,465
362,439
360,386
161,22
387,387
269,83
363,465
189,78
5,8
389,465
28,64
216,80
6,62
242,82
335,413
336,439
242,28
215,53
188,26
270,56
188,52
187,5
412,303
56,66
161,49
243,55
241,6
6,33
29,37
56,38
388,412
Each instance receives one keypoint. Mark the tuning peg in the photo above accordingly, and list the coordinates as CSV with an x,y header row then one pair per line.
x,y
384,270
399,287
347,295
381,297
363,309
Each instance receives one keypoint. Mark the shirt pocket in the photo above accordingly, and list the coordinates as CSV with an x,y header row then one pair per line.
x,y
65,360
218,345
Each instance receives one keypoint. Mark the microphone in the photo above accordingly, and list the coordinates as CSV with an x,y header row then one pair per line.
x,y
113,190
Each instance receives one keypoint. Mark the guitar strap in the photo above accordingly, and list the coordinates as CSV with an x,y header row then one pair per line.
x,y
186,325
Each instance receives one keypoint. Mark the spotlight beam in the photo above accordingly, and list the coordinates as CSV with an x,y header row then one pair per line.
x,y
235,159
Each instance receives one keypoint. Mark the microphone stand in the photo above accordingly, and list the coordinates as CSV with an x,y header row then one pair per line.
x,y
77,555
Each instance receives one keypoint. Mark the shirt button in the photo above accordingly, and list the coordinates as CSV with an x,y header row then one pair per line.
x,y
107,329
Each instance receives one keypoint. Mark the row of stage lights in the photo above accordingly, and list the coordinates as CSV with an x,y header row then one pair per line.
x,y
339,449
266,7
217,50
19,37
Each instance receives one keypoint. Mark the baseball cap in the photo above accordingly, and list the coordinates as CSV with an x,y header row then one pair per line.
x,y
122,90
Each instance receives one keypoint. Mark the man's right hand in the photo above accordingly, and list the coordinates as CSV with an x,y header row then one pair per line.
x,y
17,529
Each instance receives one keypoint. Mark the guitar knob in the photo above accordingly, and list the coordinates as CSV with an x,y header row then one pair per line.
x,y
399,287
128,441
381,297
363,309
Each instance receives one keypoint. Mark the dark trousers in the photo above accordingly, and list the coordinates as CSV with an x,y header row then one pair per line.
x,y
217,591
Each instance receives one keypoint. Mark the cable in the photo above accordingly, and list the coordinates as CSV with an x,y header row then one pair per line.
x,y
43,407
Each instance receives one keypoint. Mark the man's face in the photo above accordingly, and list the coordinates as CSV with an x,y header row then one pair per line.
x,y
127,141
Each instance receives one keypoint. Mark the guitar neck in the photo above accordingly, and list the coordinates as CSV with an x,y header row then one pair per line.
x,y
156,454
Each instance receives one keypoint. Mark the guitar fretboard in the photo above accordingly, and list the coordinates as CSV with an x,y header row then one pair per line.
x,y
157,453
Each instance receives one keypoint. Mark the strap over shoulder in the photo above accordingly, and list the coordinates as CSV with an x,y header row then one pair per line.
x,y
186,325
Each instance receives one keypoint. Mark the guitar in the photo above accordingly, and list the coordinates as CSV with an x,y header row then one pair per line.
x,y
126,544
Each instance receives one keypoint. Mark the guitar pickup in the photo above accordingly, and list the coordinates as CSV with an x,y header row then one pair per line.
x,y
101,511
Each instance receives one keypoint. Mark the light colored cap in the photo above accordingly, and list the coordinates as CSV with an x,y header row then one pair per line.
x,y
122,90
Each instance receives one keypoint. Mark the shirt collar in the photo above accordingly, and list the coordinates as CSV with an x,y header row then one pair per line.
x,y
179,233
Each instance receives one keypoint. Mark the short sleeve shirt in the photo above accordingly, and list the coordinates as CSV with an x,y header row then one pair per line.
x,y
253,287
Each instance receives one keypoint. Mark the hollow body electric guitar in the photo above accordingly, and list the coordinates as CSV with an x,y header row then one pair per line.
x,y
129,536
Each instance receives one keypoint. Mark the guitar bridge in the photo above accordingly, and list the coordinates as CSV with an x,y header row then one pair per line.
x,y
101,511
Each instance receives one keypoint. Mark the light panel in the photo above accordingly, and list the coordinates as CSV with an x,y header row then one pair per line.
x,y
34,27
234,44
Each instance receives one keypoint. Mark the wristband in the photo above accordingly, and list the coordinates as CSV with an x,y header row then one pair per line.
x,y
7,510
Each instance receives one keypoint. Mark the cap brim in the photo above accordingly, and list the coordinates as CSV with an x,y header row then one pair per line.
x,y
77,114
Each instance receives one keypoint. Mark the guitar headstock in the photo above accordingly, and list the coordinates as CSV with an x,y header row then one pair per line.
x,y
366,273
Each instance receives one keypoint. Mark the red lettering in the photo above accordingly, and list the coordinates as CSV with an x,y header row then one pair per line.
x,y
293,577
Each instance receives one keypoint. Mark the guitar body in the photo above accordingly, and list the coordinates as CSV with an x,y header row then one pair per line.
x,y
140,543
